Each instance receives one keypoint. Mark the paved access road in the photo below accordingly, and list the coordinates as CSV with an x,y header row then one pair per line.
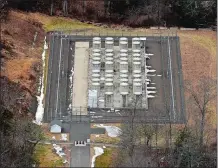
x,y
58,77
80,155
59,95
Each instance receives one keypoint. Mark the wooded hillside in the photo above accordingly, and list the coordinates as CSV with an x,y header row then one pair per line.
x,y
134,13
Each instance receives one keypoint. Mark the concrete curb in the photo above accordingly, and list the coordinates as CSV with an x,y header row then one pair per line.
x,y
174,28
163,28
154,28
188,29
205,29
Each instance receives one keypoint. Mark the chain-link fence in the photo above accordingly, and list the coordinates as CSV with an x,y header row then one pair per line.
x,y
116,32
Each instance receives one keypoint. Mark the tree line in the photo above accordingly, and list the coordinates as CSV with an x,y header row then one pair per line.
x,y
185,13
170,145
18,139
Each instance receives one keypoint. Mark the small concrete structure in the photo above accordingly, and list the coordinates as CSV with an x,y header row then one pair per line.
x,y
123,54
136,54
96,59
109,58
136,65
96,51
95,84
108,54
124,88
123,44
96,54
137,88
109,50
80,143
109,43
94,75
96,44
109,65
109,75
92,98
55,126
124,66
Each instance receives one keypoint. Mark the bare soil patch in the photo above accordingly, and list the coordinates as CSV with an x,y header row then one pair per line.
x,y
21,62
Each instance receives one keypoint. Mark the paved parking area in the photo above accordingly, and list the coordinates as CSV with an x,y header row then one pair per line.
x,y
168,79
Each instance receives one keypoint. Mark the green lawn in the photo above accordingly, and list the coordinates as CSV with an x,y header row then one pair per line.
x,y
66,24
106,159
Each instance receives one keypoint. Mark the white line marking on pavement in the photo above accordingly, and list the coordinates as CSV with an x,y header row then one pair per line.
x,y
171,77
58,77
49,87
79,157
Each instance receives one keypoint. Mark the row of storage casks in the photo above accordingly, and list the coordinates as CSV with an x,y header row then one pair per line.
x,y
109,44
123,43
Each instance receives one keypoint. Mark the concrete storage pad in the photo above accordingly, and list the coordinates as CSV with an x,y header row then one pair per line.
x,y
80,88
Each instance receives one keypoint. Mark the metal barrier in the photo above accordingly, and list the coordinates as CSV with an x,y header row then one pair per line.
x,y
80,143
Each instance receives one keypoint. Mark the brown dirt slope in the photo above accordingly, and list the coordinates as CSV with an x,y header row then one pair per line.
x,y
20,63
15,97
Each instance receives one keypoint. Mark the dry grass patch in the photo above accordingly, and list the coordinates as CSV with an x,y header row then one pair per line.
x,y
46,158
22,63
198,50
51,23
20,70
106,159
108,124
104,138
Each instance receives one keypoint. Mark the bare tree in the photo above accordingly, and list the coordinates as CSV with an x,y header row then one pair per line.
x,y
52,7
65,7
18,140
202,94
3,10
136,138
